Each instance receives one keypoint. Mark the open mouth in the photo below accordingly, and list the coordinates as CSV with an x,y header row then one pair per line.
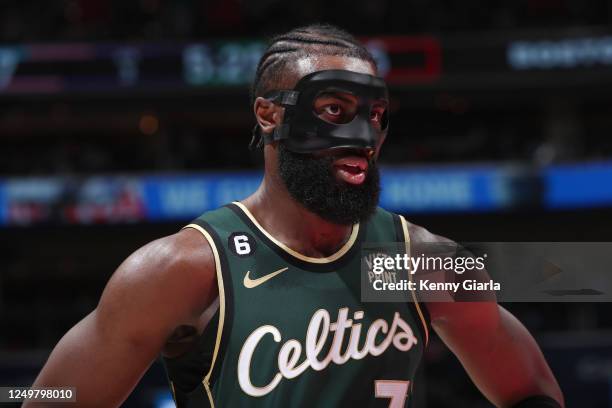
x,y
351,169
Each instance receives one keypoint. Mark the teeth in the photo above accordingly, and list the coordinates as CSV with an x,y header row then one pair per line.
x,y
352,165
353,169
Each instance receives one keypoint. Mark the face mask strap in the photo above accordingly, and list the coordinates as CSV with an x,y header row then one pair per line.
x,y
284,98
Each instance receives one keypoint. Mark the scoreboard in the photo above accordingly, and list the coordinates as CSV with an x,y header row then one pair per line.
x,y
93,68
423,62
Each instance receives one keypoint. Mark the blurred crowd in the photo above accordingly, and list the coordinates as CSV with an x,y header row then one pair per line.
x,y
75,20
58,136
104,143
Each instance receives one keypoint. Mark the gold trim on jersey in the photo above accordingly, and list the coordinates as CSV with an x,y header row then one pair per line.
x,y
416,301
211,242
345,248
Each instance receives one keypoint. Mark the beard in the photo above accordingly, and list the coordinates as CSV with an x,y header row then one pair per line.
x,y
311,182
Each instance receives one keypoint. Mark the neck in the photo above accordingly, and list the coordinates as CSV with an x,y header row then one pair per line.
x,y
292,224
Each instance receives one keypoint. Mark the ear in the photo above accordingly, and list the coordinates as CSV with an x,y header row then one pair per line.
x,y
268,114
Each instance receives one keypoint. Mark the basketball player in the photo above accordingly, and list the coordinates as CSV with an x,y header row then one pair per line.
x,y
258,303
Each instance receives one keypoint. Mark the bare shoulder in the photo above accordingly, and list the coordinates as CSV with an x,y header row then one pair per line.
x,y
182,254
163,285
419,234
177,271
457,311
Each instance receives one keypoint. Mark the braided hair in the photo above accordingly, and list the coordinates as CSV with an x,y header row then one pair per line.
x,y
314,39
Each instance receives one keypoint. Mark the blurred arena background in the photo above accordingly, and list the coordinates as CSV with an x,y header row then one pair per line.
x,y
122,120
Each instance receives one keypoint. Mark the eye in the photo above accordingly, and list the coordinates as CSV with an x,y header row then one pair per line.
x,y
333,109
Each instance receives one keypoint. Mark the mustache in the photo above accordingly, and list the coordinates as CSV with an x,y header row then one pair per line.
x,y
341,152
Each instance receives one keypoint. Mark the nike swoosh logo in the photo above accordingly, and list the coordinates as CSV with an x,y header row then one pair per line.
x,y
251,283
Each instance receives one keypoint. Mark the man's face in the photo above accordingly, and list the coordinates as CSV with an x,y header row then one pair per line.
x,y
341,186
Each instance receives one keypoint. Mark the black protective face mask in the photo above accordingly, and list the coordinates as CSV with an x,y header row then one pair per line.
x,y
302,131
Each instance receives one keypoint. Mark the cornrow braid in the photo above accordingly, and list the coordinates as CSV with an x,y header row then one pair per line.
x,y
314,39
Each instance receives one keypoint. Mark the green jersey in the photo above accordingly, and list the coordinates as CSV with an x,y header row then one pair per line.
x,y
291,330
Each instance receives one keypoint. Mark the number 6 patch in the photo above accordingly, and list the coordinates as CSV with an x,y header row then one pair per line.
x,y
241,244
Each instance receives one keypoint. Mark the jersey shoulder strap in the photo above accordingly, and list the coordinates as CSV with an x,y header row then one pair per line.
x,y
387,227
191,374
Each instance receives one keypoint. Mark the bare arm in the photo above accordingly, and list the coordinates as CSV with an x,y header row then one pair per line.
x,y
497,351
163,285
